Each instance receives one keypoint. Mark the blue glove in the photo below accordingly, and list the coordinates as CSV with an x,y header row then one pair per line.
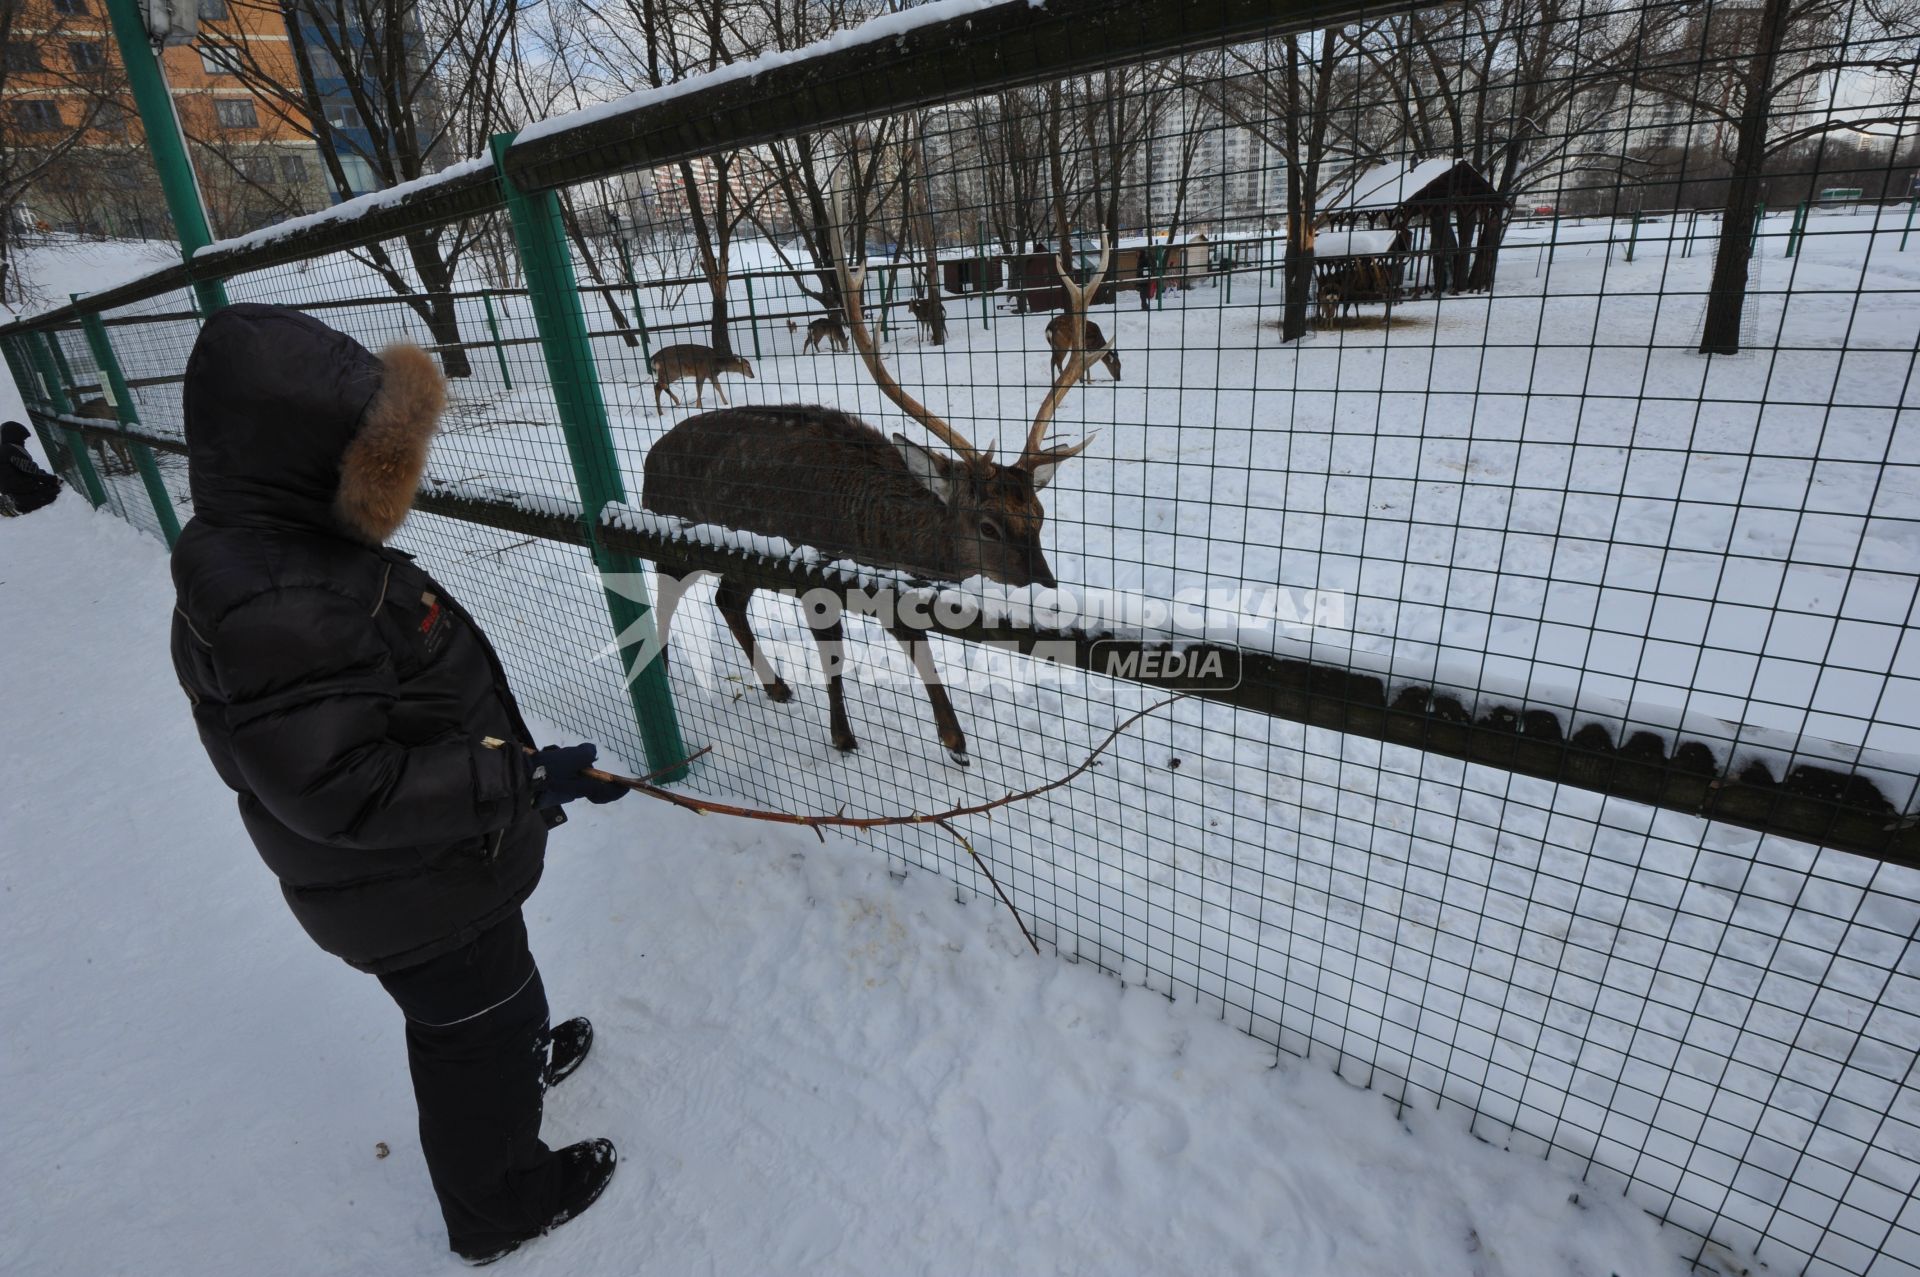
x,y
556,775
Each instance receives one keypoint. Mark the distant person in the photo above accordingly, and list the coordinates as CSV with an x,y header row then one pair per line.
x,y
24,486
346,698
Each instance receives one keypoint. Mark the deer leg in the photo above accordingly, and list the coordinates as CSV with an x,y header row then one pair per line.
x,y
831,639
720,391
920,652
732,599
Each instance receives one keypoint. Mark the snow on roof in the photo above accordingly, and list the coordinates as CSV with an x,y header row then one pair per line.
x,y
1390,185
886,27
1352,243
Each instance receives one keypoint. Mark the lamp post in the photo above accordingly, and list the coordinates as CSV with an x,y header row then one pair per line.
x,y
137,33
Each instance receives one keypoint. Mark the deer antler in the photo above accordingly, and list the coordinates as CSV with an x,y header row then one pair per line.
x,y
1083,359
851,281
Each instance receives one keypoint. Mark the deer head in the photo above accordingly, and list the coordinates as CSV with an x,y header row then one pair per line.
x,y
994,510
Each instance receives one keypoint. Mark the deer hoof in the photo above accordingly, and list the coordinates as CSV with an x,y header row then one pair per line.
x,y
780,693
960,756
845,744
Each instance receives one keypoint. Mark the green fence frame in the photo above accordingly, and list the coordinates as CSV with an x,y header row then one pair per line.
x,y
540,235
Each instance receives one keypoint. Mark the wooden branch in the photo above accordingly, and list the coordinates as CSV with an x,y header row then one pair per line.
x,y
702,806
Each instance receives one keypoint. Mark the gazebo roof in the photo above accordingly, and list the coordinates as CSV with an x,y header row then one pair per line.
x,y
1352,243
1392,186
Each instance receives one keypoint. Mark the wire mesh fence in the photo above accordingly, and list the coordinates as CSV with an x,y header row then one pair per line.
x,y
1515,401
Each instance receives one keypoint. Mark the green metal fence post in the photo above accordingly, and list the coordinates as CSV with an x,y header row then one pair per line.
x,y
1911,205
40,344
753,325
493,326
1633,235
32,392
1798,229
1759,219
114,386
165,142
554,294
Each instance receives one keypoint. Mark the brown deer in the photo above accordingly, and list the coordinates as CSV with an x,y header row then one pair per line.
x,y
930,314
820,477
1060,338
1332,305
100,410
827,329
702,363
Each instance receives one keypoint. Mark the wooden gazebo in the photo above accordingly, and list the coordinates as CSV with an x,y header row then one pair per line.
x,y
1447,198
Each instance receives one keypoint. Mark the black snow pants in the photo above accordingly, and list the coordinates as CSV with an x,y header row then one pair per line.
x,y
477,1046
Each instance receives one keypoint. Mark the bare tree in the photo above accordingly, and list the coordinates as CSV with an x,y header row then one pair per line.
x,y
1517,88
636,44
406,83
55,102
1282,93
1009,136
1763,79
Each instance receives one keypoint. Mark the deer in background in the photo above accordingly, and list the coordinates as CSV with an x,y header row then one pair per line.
x,y
929,313
827,329
100,410
824,478
702,363
1061,339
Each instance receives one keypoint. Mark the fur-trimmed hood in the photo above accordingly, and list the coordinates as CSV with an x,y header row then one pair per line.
x,y
291,424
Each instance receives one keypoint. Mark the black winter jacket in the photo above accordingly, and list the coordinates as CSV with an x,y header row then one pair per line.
x,y
21,478
338,689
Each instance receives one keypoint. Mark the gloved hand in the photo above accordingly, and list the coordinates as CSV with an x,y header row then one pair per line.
x,y
556,775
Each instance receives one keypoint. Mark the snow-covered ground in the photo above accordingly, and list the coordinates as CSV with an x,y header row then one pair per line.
x,y
809,1064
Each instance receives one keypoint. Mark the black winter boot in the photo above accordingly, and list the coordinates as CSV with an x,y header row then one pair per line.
x,y
585,1169
571,1042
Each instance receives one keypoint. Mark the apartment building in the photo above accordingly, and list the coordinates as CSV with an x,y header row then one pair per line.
x,y
64,84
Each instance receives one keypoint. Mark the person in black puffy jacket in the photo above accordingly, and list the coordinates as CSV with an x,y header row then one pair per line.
x,y
24,486
367,728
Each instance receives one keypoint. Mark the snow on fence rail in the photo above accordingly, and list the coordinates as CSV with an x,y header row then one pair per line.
x,y
1592,810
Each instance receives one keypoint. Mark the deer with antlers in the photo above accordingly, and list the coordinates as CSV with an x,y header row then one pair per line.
x,y
824,478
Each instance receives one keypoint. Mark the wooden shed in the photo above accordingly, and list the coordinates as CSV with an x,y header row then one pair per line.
x,y
1443,207
1033,280
975,273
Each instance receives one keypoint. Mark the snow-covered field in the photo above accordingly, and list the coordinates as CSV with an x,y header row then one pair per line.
x,y
809,1064
1542,494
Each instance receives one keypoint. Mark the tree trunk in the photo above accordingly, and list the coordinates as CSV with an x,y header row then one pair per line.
x,y
437,305
722,340
1299,268
1441,252
1727,294
1458,274
1492,231
445,327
